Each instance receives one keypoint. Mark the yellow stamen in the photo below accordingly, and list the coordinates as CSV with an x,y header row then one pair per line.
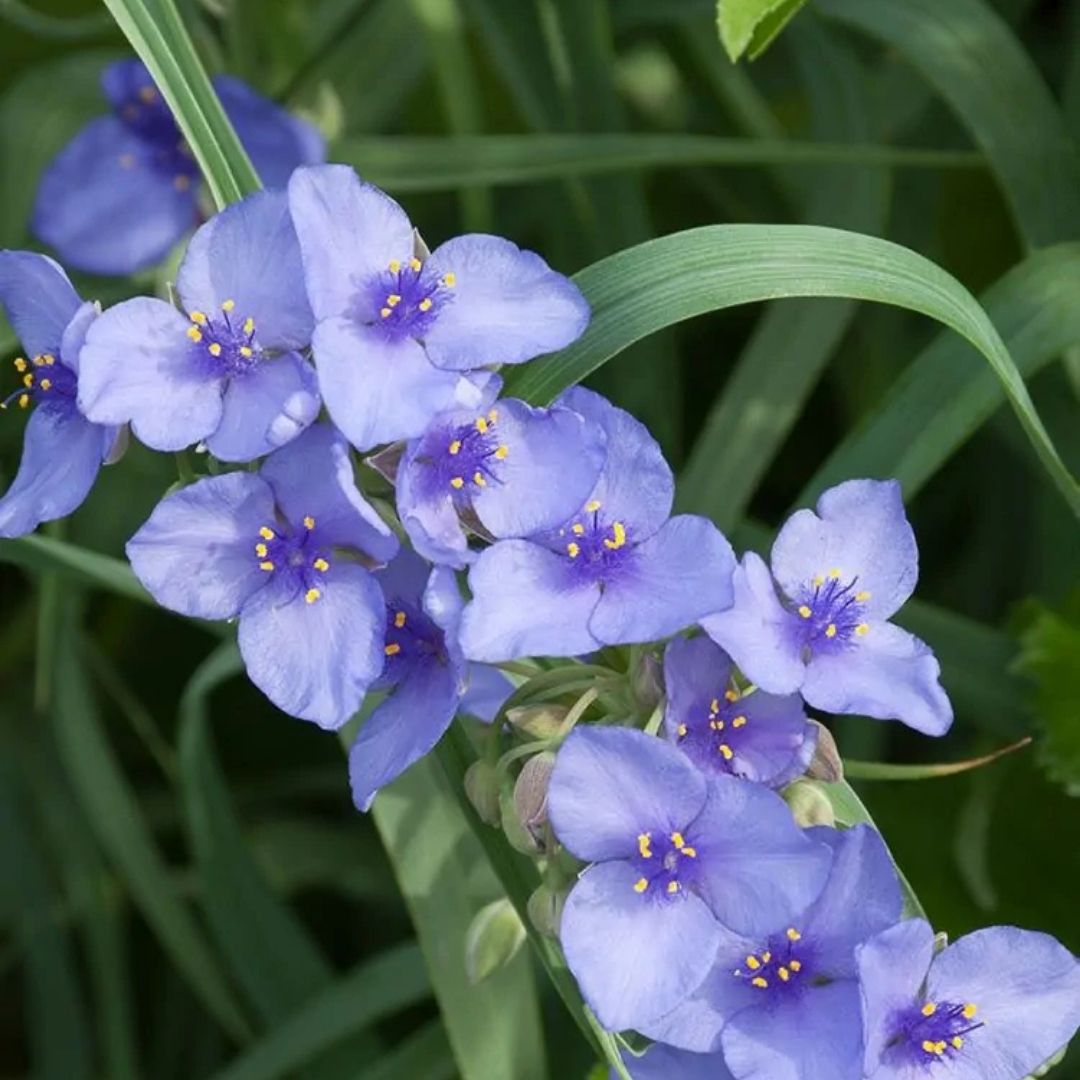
x,y
573,549
321,565
267,566
726,750
618,531
863,596
46,384
830,630
195,334
399,619
731,695
672,887
577,529
805,612
862,628
928,1046
392,649
714,705
481,425
793,934
682,730
425,304
818,581
309,523
592,506
738,722
753,963
766,957
929,1009
644,842
198,317
393,300
228,305
266,533
457,482
795,965
414,264
20,364
449,280
455,447
760,983
395,265
246,352
678,840
478,479
493,415
28,380
834,574
385,312
24,400
260,550
689,852
783,973
970,1011
214,349
501,452
958,1043
249,325
640,885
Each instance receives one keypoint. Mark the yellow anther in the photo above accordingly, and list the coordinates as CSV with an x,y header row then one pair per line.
x,y
618,532
928,1046
592,506
392,649
726,751
716,725
249,325
266,533
830,630
148,94
863,596
688,851
678,840
181,182
24,400
766,957
228,305
127,161
738,722
939,1048
501,452
834,573
970,1011
753,963
198,317
195,334
425,304
385,312
267,566
760,983
393,300
28,380
414,264
793,934
929,1009
260,550
640,885
399,619
818,581
457,482
395,265
714,705
478,479
862,628
958,1043
309,522
783,973
20,364
577,529
455,447
672,887
731,695
46,384
321,565
48,359
805,612
795,965
682,729
493,415
449,280
644,845
573,550
246,352
481,425
214,349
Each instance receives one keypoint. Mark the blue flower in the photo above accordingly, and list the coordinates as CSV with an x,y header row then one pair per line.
x,y
785,1004
618,571
281,550
516,470
487,690
757,736
821,627
678,857
63,450
995,1005
228,373
124,191
399,332
661,1062
424,672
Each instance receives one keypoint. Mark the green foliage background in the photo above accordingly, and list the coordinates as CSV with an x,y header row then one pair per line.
x,y
186,890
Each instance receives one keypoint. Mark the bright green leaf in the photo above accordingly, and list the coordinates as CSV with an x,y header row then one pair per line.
x,y
752,24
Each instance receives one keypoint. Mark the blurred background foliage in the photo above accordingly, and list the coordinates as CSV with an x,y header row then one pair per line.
x,y
186,890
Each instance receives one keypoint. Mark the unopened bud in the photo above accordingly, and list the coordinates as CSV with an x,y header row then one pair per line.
x,y
826,764
493,939
545,909
517,835
482,790
538,721
387,461
809,804
647,683
531,790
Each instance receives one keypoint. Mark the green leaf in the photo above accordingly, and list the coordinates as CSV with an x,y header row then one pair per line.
x,y
752,24
423,1056
44,554
883,770
494,938
661,282
38,23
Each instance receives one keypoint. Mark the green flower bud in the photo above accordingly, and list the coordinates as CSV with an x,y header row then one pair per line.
x,y
482,790
809,804
493,939
545,909
517,835
538,721
530,793
826,764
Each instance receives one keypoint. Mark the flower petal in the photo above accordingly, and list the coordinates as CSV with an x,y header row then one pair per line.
x,y
349,232
431,519
196,552
610,785
105,205
249,254
678,575
861,529
315,661
485,693
755,631
74,336
507,305
138,366
62,452
661,1062
526,604
888,674
265,408
633,954
38,299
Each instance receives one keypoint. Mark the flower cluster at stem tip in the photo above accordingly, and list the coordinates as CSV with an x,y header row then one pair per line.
x,y
524,542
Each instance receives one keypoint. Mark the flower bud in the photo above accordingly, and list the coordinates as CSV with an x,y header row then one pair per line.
x,y
493,939
530,792
517,835
538,721
826,764
482,790
647,682
809,804
545,909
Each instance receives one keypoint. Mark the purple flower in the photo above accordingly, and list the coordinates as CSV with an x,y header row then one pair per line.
x,y
516,470
785,1004
281,550
124,191
398,331
758,736
423,670
677,854
661,1062
618,571
487,690
818,623
995,1005
229,372
62,451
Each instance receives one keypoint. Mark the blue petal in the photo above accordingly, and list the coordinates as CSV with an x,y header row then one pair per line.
x,y
265,408
276,141
636,486
105,205
507,305
377,391
315,661
403,728
666,1063
196,553
860,529
38,299
249,254
679,574
313,477
525,603
487,690
888,674
430,519
404,578
74,336
781,740
349,232
123,79
634,954
695,670
137,366
61,455
443,604
757,869
610,785
756,631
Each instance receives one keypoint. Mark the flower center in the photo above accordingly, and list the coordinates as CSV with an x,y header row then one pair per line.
x,y
226,342
294,552
45,381
465,458
935,1031
780,967
831,612
714,732
145,113
664,862
410,635
404,301
595,545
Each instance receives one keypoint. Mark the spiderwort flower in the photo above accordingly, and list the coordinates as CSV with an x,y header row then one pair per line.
x,y
515,469
618,571
785,1004
818,624
125,189
995,1005
677,854
758,736
282,550
661,1062
229,372
485,693
423,669
400,332
63,450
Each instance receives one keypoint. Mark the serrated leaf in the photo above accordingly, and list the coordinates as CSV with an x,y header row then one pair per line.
x,y
751,25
